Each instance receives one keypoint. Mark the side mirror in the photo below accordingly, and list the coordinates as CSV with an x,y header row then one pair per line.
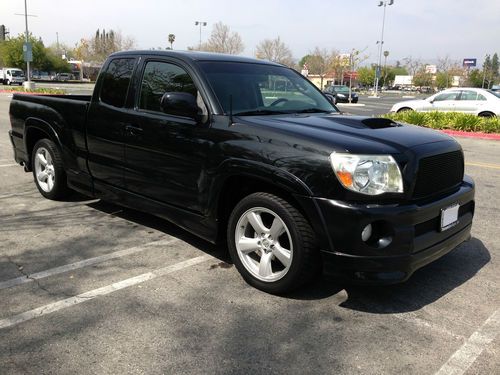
x,y
180,104
330,98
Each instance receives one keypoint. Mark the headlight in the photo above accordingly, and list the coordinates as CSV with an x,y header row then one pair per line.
x,y
367,174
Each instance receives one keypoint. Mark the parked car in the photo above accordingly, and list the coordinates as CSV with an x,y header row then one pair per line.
x,y
480,102
495,88
341,93
290,185
62,77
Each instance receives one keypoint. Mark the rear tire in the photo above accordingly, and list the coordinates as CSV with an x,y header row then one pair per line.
x,y
48,170
271,244
486,114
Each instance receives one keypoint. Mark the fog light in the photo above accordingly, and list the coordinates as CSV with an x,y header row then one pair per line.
x,y
366,233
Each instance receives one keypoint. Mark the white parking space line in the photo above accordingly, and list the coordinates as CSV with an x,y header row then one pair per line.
x,y
8,165
83,263
17,194
87,296
464,357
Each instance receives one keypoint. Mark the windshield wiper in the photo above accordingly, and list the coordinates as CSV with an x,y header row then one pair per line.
x,y
313,110
258,112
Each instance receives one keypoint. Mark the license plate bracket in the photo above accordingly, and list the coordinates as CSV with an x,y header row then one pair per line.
x,y
449,216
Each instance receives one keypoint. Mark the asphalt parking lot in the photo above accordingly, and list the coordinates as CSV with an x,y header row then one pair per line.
x,y
92,288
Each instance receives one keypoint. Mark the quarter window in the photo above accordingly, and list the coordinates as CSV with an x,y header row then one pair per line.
x,y
159,78
116,81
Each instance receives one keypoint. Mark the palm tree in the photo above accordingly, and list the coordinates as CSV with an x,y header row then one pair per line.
x,y
171,40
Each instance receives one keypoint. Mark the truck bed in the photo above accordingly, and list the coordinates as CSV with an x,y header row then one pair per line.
x,y
61,115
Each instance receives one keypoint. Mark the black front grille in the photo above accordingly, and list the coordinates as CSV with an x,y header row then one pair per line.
x,y
439,173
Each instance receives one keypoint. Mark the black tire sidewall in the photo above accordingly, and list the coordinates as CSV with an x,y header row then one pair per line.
x,y
59,190
292,278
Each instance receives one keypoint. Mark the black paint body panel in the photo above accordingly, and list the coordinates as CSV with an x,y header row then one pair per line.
x,y
176,168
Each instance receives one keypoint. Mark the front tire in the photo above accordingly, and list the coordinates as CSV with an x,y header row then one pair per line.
x,y
271,244
404,109
48,170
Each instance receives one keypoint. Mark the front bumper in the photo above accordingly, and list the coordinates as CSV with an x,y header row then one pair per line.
x,y
413,230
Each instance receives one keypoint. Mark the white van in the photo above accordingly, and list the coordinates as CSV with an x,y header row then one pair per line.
x,y
9,76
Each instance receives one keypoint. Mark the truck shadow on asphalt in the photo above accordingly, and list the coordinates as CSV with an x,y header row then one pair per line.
x,y
426,285
161,225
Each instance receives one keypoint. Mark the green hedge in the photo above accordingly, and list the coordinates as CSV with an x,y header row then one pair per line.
x,y
448,120
41,90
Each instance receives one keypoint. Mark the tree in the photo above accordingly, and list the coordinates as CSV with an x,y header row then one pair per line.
x,y
101,45
43,59
171,40
475,78
320,62
366,76
222,40
274,50
495,67
412,65
422,78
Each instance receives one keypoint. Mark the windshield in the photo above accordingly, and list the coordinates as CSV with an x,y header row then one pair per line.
x,y
261,89
496,93
17,73
342,89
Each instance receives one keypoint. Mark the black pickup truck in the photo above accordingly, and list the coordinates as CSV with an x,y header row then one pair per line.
x,y
251,153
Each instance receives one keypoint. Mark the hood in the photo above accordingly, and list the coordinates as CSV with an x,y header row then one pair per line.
x,y
415,103
354,134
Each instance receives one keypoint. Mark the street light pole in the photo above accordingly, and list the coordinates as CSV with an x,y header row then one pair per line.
x,y
200,23
27,41
383,3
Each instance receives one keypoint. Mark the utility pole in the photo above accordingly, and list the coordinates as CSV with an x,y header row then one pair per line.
x,y
383,3
200,23
27,48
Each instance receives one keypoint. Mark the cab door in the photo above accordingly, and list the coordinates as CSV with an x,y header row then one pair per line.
x,y
106,121
166,155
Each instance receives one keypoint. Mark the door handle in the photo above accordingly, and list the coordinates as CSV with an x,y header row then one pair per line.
x,y
133,129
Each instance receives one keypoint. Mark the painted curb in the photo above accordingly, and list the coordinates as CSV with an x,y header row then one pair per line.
x,y
351,104
478,135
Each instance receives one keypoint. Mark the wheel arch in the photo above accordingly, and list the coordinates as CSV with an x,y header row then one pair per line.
x,y
240,180
34,130
486,114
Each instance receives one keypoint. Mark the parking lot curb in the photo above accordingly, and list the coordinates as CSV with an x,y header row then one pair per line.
x,y
24,92
477,135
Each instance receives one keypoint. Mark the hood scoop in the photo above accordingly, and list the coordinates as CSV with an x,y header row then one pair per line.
x,y
364,123
380,123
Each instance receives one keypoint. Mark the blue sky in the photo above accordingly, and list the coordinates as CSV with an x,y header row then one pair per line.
x,y
425,29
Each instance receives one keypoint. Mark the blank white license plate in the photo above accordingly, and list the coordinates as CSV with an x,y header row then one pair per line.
x,y
449,217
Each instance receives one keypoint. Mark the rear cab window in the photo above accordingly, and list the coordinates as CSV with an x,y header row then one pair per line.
x,y
116,81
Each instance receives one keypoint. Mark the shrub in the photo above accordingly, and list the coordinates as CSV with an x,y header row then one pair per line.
x,y
448,120
41,90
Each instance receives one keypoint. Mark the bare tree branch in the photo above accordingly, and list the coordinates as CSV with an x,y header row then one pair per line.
x,y
275,50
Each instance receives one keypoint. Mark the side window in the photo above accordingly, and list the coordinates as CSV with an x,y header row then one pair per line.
x,y
480,97
116,81
159,78
446,96
468,95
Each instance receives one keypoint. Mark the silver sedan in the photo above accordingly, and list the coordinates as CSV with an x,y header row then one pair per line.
x,y
480,102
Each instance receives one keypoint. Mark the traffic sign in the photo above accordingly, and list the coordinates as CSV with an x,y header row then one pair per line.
x,y
27,52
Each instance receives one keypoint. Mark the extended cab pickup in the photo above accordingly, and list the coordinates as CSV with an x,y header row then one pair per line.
x,y
251,153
